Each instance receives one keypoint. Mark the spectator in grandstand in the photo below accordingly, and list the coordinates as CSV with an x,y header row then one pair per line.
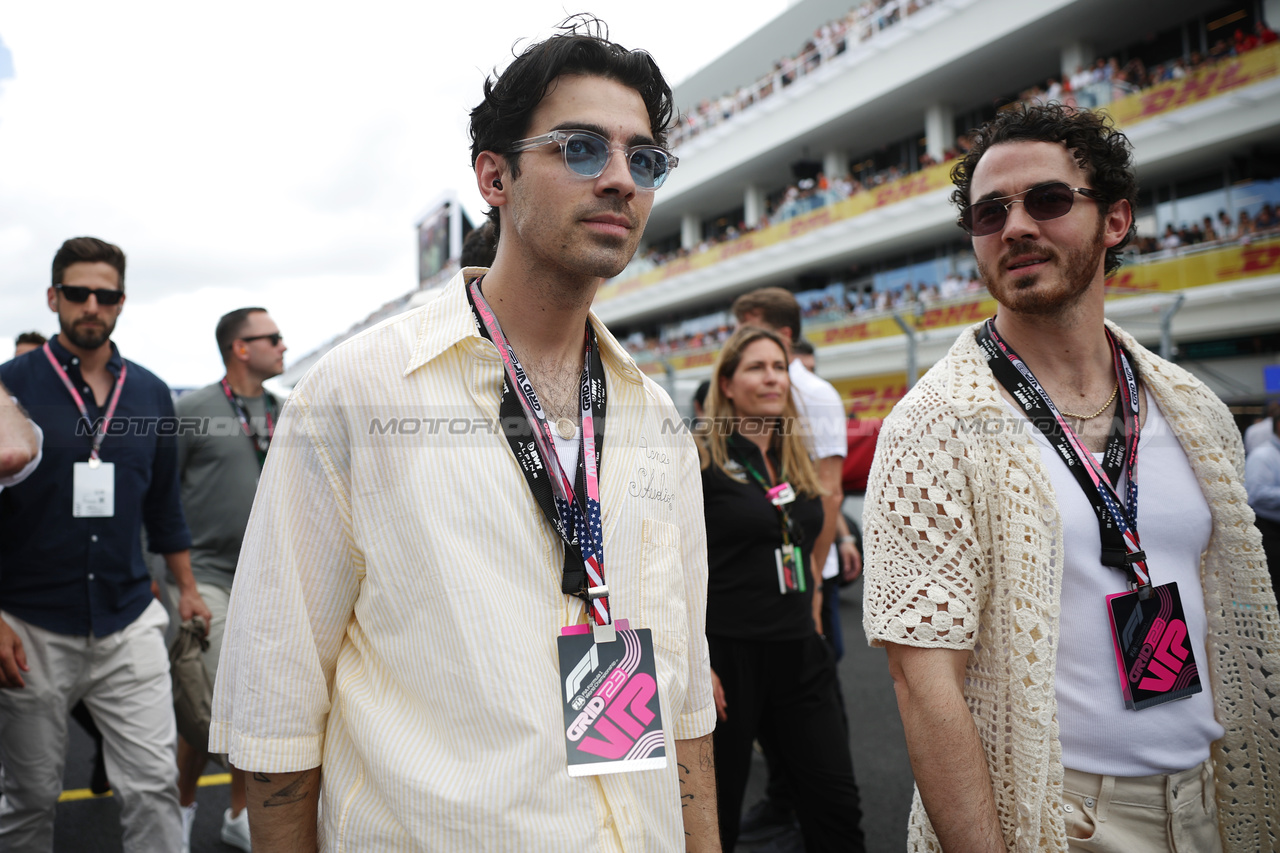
x,y
1226,229
1171,240
774,677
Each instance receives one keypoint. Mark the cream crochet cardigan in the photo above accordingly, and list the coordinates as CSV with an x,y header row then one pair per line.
x,y
961,528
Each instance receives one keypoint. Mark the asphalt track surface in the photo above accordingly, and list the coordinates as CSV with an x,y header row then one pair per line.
x,y
88,824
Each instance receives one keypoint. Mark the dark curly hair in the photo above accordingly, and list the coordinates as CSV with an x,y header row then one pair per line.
x,y
581,46
1103,152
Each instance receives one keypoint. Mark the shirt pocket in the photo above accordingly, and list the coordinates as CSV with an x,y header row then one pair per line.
x,y
661,601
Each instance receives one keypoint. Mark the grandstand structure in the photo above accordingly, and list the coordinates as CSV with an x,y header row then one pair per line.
x,y
815,155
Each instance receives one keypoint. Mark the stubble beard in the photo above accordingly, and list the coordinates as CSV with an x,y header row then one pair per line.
x,y
1078,268
87,339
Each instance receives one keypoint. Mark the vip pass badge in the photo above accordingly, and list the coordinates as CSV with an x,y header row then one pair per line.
x,y
93,483
1154,660
612,714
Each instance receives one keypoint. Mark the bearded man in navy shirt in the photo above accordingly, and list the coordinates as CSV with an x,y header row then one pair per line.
x,y
77,617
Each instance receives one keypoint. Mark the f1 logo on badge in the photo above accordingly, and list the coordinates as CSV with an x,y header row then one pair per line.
x,y
589,663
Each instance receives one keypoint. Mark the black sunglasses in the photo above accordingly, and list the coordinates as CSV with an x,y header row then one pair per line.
x,y
76,293
274,338
1041,203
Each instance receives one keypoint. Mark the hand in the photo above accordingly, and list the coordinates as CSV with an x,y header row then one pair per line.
x,y
13,660
717,693
191,604
850,561
817,611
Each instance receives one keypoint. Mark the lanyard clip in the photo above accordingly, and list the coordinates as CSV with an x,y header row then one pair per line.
x,y
781,494
600,633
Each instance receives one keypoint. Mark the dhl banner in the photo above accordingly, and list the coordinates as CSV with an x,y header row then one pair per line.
x,y
1231,263
924,181
872,396
1223,77
1218,79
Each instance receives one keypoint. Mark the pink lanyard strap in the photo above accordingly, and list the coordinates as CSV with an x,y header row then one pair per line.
x,y
585,521
79,401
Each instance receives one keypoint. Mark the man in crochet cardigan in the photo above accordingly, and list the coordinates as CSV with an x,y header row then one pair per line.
x,y
984,572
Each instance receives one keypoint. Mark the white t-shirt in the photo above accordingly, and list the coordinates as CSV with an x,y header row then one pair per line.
x,y
820,406
1098,734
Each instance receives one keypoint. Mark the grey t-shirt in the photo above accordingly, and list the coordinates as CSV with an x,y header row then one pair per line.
x,y
220,469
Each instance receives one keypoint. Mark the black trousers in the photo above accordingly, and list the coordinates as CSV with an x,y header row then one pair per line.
x,y
787,692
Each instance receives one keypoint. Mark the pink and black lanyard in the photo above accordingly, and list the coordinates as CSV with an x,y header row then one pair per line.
x,y
1117,521
574,512
101,432
261,443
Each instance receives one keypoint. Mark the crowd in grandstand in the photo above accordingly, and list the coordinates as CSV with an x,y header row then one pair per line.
x,y
830,40
829,305
1244,228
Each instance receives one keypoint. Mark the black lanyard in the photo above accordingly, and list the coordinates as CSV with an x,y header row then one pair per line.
x,y
576,516
1117,521
261,443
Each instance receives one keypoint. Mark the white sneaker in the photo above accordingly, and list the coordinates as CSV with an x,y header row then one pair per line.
x,y
235,830
188,819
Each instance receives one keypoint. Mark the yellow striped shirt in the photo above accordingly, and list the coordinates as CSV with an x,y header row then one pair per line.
x,y
397,602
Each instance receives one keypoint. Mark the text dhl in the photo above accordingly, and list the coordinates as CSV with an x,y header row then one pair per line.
x,y
1199,87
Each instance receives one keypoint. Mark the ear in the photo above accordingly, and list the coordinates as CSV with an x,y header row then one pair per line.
x,y
492,167
1119,218
52,296
785,334
724,388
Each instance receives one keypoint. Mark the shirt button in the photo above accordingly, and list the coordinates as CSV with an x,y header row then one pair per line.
x,y
1088,801
86,389
75,361
91,576
1068,808
93,538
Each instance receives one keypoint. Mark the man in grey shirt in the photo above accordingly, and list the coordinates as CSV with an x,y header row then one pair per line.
x,y
220,461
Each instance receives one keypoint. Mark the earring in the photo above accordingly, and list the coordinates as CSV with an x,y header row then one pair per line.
x,y
497,184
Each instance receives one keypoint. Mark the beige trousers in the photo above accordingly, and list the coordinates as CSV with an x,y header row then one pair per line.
x,y
1142,814
124,680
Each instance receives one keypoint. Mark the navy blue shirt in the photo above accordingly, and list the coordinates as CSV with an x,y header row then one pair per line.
x,y
82,576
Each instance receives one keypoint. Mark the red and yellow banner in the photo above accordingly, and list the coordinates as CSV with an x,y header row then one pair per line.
x,y
924,181
1210,82
1230,263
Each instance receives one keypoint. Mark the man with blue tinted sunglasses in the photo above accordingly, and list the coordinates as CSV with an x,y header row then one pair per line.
x,y
424,604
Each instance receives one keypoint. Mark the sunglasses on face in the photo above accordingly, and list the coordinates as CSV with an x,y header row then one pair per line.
x,y
274,338
586,155
76,293
1041,203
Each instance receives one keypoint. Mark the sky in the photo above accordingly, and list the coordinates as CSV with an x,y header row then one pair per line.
x,y
262,153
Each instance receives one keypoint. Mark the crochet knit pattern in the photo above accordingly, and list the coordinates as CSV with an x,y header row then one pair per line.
x,y
964,551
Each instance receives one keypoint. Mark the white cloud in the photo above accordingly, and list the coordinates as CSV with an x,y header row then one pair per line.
x,y
261,153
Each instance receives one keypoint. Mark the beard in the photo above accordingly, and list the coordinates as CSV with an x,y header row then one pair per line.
x,y
88,337
1076,271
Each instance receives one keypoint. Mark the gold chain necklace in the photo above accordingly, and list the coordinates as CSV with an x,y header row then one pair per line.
x,y
1105,406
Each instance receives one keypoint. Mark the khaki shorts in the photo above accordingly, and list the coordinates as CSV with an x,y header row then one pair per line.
x,y
216,598
1140,814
